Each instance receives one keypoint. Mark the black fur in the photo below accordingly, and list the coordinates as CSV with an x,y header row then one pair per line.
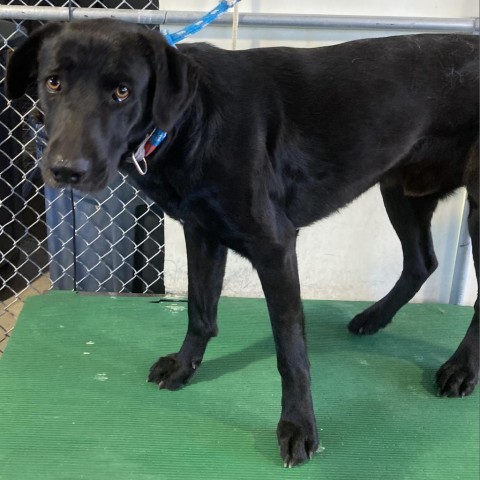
x,y
260,143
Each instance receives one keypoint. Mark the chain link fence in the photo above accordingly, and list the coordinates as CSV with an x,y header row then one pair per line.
x,y
110,242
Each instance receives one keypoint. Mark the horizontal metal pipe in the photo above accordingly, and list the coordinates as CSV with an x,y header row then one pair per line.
x,y
163,17
466,25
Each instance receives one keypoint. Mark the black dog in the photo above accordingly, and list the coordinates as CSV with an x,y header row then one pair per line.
x,y
261,143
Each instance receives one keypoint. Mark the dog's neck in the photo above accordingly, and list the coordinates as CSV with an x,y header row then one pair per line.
x,y
181,143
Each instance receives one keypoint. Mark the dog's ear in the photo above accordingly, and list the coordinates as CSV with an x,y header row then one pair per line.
x,y
175,82
22,64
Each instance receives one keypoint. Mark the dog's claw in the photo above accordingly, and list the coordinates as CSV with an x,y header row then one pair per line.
x,y
297,441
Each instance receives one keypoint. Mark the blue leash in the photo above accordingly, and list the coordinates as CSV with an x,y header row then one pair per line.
x,y
158,136
193,28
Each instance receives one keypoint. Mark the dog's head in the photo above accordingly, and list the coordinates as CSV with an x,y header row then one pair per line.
x,y
102,85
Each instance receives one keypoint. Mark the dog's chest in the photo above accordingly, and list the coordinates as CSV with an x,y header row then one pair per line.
x,y
201,205
158,188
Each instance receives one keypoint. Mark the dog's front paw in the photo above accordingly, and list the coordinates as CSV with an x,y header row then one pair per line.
x,y
171,373
457,378
298,442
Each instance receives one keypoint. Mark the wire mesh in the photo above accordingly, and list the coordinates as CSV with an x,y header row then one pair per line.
x,y
111,242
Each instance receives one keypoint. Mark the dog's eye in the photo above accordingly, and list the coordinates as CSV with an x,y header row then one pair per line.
x,y
54,84
121,93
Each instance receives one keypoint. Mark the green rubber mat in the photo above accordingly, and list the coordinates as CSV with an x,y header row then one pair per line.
x,y
74,403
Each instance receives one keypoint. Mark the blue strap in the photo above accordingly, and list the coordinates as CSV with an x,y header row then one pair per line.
x,y
211,16
158,137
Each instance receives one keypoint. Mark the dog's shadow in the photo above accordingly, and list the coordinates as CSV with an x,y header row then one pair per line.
x,y
235,361
330,322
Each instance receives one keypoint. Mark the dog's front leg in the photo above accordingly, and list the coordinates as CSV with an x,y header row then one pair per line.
x,y
206,269
277,269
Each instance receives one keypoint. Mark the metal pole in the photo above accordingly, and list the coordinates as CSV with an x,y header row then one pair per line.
x,y
163,17
462,260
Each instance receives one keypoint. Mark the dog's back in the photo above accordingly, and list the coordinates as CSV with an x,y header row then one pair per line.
x,y
351,114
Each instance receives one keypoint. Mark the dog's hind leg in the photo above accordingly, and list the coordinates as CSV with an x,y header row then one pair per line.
x,y
459,375
206,269
410,217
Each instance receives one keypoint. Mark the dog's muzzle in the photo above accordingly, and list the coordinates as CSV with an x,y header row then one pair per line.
x,y
80,174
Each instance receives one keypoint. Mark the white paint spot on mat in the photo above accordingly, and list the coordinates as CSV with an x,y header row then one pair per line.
x,y
175,308
101,377
89,343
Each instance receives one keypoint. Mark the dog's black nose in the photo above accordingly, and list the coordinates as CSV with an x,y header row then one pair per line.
x,y
67,175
